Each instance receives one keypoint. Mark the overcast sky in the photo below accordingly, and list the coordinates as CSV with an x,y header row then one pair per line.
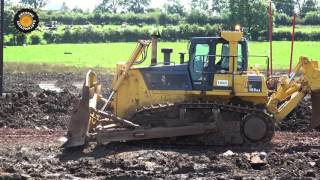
x,y
91,4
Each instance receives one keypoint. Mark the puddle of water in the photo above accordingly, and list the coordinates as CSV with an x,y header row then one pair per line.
x,y
49,86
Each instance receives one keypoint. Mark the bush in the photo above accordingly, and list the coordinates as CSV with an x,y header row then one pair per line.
x,y
99,18
299,36
186,31
169,33
35,39
312,18
283,19
51,37
9,40
140,19
21,39
151,18
281,36
196,17
314,36
165,19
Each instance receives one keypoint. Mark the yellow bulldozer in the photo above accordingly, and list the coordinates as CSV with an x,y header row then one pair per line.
x,y
214,98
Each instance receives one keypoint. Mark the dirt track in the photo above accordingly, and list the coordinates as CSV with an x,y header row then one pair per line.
x,y
32,121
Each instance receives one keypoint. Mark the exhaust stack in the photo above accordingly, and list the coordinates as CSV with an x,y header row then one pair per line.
x,y
182,54
166,55
154,54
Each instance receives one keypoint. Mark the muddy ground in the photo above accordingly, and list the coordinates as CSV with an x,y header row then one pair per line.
x,y
33,120
42,100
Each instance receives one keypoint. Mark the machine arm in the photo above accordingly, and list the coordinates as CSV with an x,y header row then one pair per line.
x,y
122,71
142,45
290,91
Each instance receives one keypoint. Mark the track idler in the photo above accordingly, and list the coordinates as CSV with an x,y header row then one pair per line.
x,y
257,128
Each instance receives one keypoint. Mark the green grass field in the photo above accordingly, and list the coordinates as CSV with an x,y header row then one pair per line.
x,y
299,28
108,54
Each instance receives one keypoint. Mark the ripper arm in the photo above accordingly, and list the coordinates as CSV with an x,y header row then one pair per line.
x,y
290,92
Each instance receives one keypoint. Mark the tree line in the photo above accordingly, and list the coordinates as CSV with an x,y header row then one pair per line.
x,y
169,33
251,14
218,7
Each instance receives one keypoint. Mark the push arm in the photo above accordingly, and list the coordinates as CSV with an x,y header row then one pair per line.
x,y
142,45
134,57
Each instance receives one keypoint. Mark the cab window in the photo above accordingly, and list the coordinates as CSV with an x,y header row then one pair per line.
x,y
200,60
223,56
202,49
240,58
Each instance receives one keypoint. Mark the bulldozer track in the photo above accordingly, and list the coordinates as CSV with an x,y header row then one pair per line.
x,y
201,105
141,119
245,110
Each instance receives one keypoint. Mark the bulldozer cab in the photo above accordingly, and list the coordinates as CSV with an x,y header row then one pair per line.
x,y
215,55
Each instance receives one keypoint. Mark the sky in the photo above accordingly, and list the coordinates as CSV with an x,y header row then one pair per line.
x,y
91,4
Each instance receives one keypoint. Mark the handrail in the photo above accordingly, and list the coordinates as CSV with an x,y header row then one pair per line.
x,y
208,56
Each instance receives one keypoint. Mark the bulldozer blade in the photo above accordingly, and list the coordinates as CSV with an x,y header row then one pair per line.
x,y
315,121
79,125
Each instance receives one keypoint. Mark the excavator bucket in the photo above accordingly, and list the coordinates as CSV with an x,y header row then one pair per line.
x,y
79,125
315,121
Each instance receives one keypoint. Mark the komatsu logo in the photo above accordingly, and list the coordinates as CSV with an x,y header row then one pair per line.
x,y
223,83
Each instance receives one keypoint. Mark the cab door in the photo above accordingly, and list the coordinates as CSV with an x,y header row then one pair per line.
x,y
201,65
